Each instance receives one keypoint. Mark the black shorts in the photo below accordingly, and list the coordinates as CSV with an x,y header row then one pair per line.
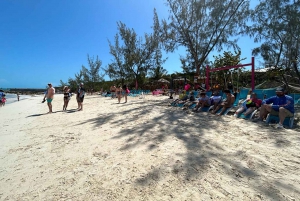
x,y
80,99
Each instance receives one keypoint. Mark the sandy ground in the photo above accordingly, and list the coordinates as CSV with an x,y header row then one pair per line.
x,y
141,150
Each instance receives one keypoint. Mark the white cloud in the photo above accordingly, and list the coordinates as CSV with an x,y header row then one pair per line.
x,y
3,80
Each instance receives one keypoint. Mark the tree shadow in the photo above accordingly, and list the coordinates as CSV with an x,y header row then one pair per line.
x,y
203,154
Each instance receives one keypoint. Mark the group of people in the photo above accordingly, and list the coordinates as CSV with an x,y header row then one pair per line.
x,y
49,95
119,92
281,105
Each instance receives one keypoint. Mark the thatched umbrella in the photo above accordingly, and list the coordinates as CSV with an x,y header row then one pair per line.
x,y
162,80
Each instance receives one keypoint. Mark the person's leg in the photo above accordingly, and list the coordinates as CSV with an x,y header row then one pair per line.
x,y
125,97
67,102
64,107
249,111
240,110
264,111
49,106
78,103
217,108
283,113
223,110
202,104
197,106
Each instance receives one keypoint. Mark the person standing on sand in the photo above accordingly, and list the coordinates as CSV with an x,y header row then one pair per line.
x,y
1,94
126,92
113,90
3,100
67,96
80,97
18,96
50,95
119,93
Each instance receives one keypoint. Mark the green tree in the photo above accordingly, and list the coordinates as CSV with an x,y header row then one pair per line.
x,y
116,69
203,26
157,71
138,52
227,59
276,25
92,75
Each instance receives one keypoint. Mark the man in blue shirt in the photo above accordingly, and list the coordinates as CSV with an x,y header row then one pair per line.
x,y
281,105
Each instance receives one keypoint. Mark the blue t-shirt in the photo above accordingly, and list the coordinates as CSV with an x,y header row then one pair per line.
x,y
285,101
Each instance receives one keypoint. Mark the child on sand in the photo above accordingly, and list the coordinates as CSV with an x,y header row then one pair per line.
x,y
3,100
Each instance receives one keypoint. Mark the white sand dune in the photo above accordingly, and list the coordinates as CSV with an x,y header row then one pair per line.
x,y
141,150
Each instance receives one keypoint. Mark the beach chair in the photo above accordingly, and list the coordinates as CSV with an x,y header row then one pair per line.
x,y
206,109
249,116
237,100
209,93
180,105
226,111
288,121
259,93
192,106
269,92
296,99
243,94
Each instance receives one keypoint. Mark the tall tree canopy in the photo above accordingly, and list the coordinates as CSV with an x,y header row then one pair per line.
x,y
202,26
276,25
133,56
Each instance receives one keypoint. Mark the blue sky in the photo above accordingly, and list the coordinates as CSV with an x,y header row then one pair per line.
x,y
47,41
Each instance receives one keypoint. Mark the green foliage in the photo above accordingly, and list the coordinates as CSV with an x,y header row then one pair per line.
x,y
133,56
91,76
276,24
203,26
227,59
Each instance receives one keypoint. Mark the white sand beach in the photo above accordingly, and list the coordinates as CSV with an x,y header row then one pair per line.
x,y
141,150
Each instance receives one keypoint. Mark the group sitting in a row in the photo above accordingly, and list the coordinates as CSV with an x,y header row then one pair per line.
x,y
280,105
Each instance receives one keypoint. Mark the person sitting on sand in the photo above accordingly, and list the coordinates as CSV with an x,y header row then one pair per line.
x,y
227,103
280,105
203,101
215,99
249,105
182,98
190,101
67,97
50,95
